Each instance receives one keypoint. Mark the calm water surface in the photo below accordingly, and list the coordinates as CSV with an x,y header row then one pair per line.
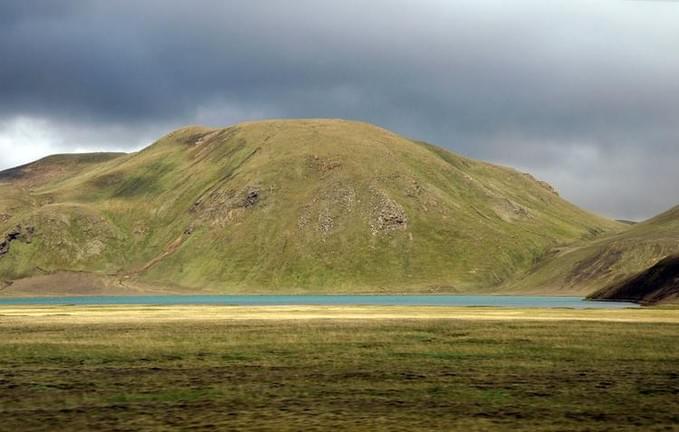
x,y
329,300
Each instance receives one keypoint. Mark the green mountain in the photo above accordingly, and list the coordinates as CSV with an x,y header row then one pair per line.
x,y
586,267
283,206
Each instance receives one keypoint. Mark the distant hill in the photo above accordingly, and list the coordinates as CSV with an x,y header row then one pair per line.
x,y
53,168
658,284
586,267
284,206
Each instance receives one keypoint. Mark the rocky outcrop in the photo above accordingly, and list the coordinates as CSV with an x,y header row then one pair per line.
x,y
221,207
18,233
328,209
387,214
251,197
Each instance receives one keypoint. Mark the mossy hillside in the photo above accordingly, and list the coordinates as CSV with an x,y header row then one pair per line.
x,y
304,205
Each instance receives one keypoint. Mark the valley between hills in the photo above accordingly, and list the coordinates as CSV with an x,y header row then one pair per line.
x,y
308,206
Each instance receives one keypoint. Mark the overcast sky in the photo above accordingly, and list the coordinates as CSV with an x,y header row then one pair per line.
x,y
583,94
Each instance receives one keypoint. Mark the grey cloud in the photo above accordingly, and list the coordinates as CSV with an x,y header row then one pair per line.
x,y
582,93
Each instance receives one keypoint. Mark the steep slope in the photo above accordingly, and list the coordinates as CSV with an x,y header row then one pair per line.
x,y
658,284
294,205
608,261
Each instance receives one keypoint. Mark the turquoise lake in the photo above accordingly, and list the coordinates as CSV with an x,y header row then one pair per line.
x,y
328,300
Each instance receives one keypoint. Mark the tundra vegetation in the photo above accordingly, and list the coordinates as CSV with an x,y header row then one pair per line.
x,y
68,368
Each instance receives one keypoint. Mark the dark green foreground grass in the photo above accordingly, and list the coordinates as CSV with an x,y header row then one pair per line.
x,y
340,375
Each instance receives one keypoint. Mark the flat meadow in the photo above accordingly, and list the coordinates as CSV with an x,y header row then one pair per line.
x,y
343,368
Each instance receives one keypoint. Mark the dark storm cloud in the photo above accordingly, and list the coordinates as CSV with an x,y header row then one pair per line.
x,y
582,93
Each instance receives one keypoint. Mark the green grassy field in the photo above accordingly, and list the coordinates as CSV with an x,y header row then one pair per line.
x,y
104,370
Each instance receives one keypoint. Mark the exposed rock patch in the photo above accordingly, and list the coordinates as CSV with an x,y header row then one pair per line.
x,y
327,208
18,233
542,183
207,137
387,214
510,211
201,137
548,186
195,138
414,189
304,217
251,197
325,221
222,206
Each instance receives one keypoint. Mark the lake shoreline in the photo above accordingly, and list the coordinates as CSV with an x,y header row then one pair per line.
x,y
324,300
